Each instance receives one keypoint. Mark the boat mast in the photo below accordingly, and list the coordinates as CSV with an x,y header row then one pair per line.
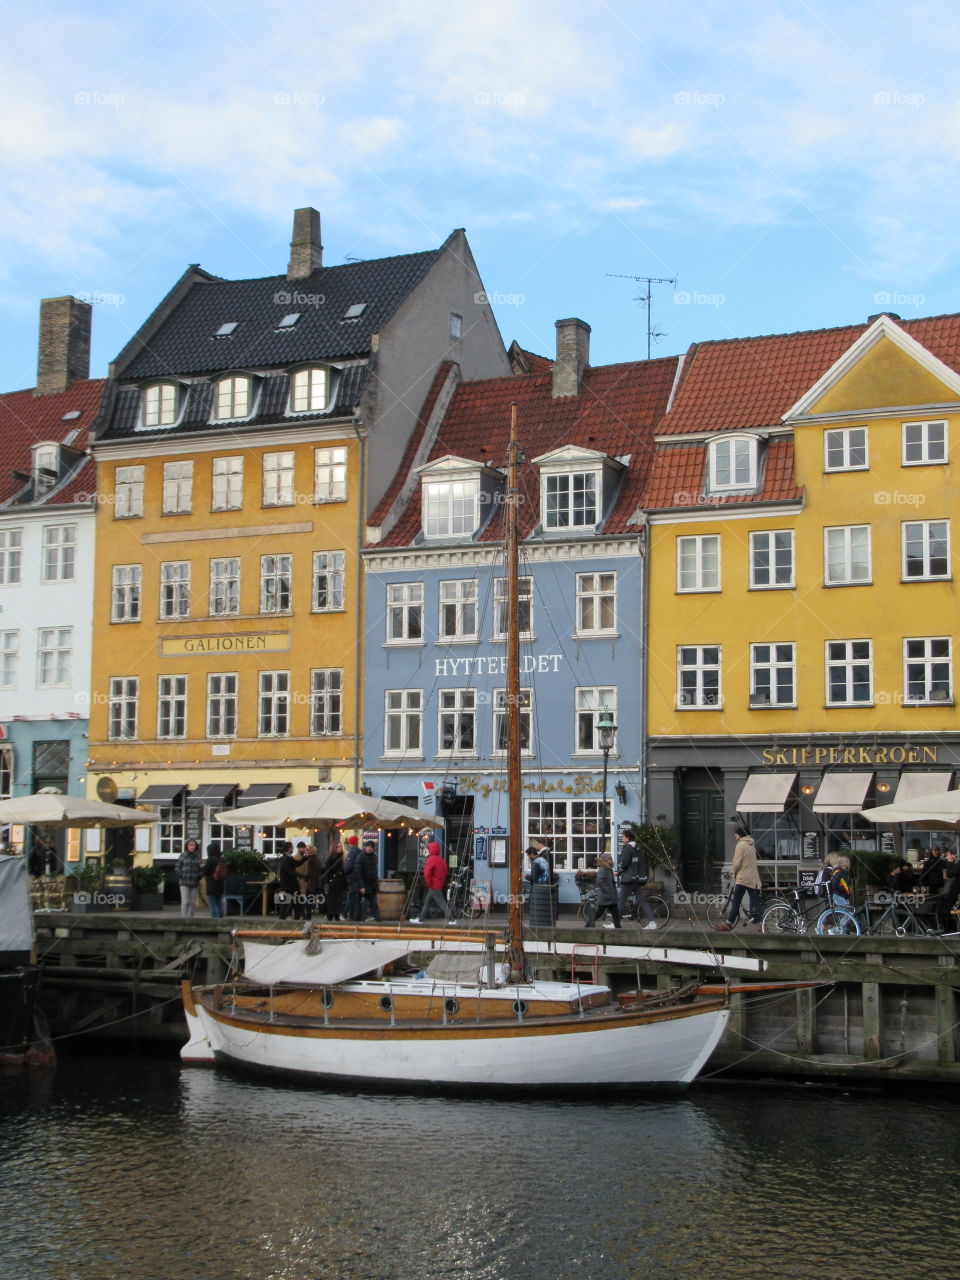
x,y
514,939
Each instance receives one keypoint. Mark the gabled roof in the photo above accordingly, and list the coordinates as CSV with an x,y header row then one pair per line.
x,y
185,341
522,361
27,419
615,413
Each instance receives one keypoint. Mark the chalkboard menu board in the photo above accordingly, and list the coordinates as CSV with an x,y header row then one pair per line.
x,y
243,837
193,823
811,844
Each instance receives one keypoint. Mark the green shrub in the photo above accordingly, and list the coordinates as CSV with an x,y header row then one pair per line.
x,y
244,862
147,879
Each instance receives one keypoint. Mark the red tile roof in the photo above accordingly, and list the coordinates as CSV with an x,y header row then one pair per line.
x,y
27,419
615,412
677,478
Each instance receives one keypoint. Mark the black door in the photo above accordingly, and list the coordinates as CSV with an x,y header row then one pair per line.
x,y
702,832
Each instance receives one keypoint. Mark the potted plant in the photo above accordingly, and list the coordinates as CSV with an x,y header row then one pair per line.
x,y
243,867
85,884
661,847
147,888
870,868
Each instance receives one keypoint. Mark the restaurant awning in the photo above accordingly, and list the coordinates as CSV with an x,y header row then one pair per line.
x,y
766,792
842,792
213,794
258,792
166,793
912,785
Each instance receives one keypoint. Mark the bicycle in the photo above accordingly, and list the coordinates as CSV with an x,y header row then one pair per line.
x,y
657,904
719,912
792,915
587,909
838,920
898,918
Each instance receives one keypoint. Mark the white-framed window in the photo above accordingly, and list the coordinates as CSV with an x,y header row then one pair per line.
x,y
308,390
924,443
177,488
456,325
451,508
458,609
926,549
500,721
575,829
46,468
732,463
125,595
328,573
275,580
227,484
59,552
698,677
122,701
278,479
771,558
222,704
524,608
54,656
590,701
596,603
570,499
403,722
172,707
404,613
9,659
845,449
457,722
928,669
698,563
175,589
159,404
773,675
849,672
330,475
326,701
232,398
11,556
273,707
846,555
225,586
128,493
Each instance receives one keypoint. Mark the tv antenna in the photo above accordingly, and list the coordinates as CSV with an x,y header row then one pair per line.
x,y
653,335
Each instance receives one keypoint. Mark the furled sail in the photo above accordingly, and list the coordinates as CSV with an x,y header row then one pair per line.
x,y
337,960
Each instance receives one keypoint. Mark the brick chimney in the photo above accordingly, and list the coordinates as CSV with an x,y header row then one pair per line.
x,y
306,251
63,355
573,356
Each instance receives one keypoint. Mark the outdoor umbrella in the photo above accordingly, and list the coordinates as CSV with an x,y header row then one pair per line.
x,y
937,812
326,808
50,809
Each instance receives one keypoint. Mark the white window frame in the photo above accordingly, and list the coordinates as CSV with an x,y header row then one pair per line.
x,y
768,659
54,657
276,584
175,589
279,471
233,398
773,556
11,557
524,608
403,721
123,699
839,656
456,325
9,660
159,406
171,707
500,726
128,485
725,458
569,497
928,453
451,508
841,537
457,714
589,702
177,488
59,553
309,389
843,443
222,704
125,594
273,704
695,573
326,702
224,586
227,484
457,617
698,660
574,828
926,558
330,474
329,570
925,664
594,597
405,606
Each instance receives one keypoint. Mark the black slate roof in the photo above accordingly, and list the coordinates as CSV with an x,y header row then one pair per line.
x,y
185,343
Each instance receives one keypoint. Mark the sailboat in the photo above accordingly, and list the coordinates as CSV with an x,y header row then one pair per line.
x,y
325,1007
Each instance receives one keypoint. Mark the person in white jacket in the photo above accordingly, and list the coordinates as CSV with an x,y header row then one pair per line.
x,y
746,880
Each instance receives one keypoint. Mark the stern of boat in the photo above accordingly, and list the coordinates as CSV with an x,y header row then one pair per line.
x,y
197,1051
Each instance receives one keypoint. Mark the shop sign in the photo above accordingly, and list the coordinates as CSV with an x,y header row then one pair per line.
x,y
530,664
581,785
247,642
848,755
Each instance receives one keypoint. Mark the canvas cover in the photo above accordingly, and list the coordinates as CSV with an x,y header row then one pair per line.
x,y
337,960
16,915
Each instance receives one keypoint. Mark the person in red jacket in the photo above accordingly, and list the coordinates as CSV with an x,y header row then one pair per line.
x,y
435,873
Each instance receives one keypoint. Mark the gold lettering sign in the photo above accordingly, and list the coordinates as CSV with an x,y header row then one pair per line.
x,y
243,642
848,755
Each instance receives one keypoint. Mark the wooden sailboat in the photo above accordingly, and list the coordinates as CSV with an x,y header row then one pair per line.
x,y
305,1009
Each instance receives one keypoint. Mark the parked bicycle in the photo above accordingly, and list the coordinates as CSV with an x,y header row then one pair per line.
x,y
795,912
897,918
659,905
719,912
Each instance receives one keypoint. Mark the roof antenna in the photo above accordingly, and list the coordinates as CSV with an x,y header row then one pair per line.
x,y
653,335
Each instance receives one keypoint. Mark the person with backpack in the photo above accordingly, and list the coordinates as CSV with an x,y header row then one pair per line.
x,y
634,874
215,870
839,888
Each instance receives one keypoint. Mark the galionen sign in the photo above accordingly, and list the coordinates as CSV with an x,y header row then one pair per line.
x,y
243,642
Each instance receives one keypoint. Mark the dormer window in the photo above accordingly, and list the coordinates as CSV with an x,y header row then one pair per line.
x,y
308,390
450,508
233,396
576,486
46,458
732,463
160,404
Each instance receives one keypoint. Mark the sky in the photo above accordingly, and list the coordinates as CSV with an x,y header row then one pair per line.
x,y
793,165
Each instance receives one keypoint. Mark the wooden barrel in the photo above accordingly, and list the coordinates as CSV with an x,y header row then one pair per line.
x,y
391,898
118,889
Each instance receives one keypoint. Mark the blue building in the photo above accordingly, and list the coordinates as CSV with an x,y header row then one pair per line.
x,y
435,608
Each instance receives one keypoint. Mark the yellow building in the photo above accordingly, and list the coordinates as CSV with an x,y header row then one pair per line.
x,y
247,427
802,608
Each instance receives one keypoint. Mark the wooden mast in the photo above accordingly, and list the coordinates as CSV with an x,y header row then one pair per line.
x,y
514,939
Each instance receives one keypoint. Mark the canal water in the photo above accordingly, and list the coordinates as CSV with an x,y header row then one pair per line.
x,y
131,1167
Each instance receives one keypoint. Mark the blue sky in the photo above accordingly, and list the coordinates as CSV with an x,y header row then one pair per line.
x,y
794,164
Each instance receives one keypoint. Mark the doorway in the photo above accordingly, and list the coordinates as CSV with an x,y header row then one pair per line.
x,y
702,830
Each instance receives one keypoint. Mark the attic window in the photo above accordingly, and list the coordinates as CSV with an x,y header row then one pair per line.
x,y
74,413
226,329
355,311
732,464
289,320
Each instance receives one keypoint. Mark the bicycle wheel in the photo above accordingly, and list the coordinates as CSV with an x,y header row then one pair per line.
x,y
780,917
717,909
835,920
660,908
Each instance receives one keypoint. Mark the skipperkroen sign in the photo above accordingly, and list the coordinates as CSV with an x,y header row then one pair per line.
x,y
848,755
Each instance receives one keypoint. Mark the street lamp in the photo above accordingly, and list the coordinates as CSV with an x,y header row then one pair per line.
x,y
606,732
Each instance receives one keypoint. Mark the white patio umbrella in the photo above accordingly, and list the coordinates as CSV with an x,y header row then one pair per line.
x,y
50,809
937,812
326,808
